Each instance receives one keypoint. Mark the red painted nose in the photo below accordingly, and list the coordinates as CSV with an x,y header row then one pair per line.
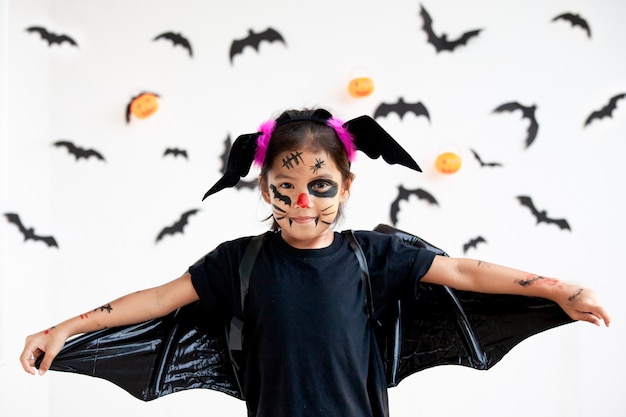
x,y
303,200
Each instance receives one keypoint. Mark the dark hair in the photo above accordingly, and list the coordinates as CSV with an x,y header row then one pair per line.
x,y
303,129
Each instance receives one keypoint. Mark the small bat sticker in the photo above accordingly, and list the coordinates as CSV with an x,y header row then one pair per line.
x,y
29,232
241,184
404,194
50,37
441,43
178,226
485,164
254,40
606,111
541,215
175,152
473,243
77,151
528,112
177,39
401,108
575,20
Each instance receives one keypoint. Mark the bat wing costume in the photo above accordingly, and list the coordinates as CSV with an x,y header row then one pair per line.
x,y
437,326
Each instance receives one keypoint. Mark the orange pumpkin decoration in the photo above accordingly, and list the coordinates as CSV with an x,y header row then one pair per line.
x,y
448,163
361,87
142,106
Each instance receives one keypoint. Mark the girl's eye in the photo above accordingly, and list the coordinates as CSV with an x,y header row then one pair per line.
x,y
286,185
320,185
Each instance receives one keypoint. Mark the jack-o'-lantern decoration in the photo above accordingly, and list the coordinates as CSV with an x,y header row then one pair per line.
x,y
142,106
448,162
361,87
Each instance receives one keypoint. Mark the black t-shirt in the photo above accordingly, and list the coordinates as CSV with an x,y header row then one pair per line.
x,y
307,338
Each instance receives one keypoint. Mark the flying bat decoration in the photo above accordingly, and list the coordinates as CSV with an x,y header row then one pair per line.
x,y
528,112
403,195
77,151
142,105
254,40
606,111
177,39
242,183
401,108
176,152
484,164
178,226
473,243
51,37
29,232
575,20
441,42
541,215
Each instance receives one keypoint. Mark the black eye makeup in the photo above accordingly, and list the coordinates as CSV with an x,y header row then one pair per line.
x,y
323,188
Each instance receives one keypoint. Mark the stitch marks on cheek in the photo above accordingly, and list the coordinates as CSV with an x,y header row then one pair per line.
x,y
532,279
291,159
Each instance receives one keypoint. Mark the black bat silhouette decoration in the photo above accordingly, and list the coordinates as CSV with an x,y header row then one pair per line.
x,y
176,152
29,232
177,39
441,43
50,37
404,194
242,183
178,226
575,20
485,164
528,112
254,40
77,151
401,108
541,215
606,111
473,243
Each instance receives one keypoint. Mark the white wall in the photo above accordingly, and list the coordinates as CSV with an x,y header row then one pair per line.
x,y
106,215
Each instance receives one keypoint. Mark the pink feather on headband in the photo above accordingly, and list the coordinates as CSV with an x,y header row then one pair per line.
x,y
265,129
344,136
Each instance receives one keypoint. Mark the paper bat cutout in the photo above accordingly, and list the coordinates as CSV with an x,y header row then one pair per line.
x,y
29,232
77,151
175,152
575,20
473,243
528,112
254,40
441,43
401,108
178,226
542,216
485,164
240,184
177,39
51,37
606,111
440,326
403,195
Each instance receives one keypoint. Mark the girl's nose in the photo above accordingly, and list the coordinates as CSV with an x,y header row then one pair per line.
x,y
303,200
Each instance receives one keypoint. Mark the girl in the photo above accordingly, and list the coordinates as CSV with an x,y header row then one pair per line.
x,y
308,342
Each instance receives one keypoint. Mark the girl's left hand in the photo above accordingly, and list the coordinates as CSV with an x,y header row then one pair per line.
x,y
581,305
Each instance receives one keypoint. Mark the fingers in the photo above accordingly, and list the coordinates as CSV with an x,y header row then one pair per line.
x,y
27,358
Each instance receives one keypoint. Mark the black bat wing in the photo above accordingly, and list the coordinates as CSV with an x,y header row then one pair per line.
x,y
462,40
175,152
528,112
254,40
29,233
472,243
50,37
14,218
606,111
482,163
401,107
432,38
528,202
178,226
403,195
575,20
177,39
77,151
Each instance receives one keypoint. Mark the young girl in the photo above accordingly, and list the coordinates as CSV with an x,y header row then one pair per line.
x,y
308,341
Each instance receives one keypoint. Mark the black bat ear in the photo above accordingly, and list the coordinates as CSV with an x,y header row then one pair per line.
x,y
374,141
239,162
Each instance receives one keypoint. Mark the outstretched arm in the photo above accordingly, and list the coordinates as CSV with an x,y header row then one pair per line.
x,y
478,276
129,309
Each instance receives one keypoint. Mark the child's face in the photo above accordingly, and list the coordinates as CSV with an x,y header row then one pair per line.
x,y
305,190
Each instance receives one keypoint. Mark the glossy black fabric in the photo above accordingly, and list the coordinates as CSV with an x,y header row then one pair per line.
x,y
443,326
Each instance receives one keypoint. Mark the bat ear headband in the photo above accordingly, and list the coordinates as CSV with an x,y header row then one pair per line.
x,y
362,133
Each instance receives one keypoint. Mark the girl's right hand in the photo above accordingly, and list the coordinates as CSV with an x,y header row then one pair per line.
x,y
50,342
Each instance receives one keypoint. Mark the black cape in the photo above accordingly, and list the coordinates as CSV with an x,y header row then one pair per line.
x,y
441,327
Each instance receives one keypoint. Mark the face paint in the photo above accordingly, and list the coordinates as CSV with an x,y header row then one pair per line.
x,y
323,188
303,200
318,164
293,158
277,195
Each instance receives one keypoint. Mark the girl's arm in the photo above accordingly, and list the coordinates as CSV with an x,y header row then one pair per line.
x,y
129,309
478,276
